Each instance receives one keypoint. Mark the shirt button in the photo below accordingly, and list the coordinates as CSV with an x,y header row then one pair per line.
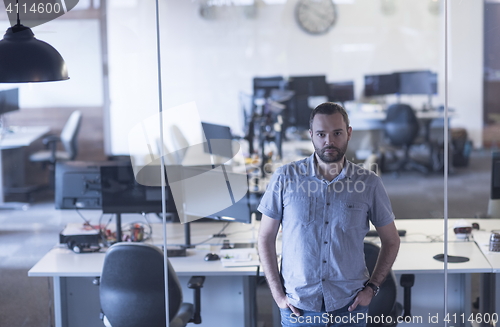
x,y
328,203
326,242
323,280
324,261
326,222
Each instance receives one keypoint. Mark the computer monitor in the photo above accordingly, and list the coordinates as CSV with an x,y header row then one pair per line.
x,y
78,185
100,185
434,83
418,82
9,100
121,193
262,86
381,84
308,85
218,132
301,113
207,192
341,91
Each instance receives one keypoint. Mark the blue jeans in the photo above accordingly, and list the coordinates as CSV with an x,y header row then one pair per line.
x,y
338,318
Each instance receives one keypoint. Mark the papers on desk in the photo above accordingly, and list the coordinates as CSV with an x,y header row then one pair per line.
x,y
241,257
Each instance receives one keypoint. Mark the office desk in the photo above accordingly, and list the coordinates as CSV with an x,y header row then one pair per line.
x,y
423,240
490,283
19,137
226,298
76,299
22,136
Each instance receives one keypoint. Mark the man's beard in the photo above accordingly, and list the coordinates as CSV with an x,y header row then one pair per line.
x,y
336,156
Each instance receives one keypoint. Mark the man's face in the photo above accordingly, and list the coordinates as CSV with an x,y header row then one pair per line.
x,y
330,137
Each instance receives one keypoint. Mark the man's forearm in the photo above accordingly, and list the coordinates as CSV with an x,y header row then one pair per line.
x,y
269,261
386,258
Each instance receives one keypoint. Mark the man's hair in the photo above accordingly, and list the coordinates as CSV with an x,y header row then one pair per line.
x,y
329,108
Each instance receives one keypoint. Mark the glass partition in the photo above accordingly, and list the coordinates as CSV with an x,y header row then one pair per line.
x,y
259,66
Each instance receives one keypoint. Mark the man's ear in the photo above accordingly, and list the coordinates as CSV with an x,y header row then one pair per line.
x,y
311,133
349,132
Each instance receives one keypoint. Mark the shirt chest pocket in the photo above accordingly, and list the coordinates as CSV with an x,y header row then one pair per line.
x,y
299,209
354,215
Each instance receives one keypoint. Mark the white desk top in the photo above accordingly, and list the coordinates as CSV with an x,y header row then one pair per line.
x,y
418,258
482,238
22,136
62,262
423,241
432,230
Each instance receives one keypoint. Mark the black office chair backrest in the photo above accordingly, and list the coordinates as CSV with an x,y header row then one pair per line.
x,y
69,134
132,291
385,302
401,124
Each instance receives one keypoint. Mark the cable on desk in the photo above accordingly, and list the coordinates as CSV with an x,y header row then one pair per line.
x,y
208,239
87,223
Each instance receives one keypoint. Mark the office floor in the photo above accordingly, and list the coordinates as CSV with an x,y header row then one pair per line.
x,y
25,236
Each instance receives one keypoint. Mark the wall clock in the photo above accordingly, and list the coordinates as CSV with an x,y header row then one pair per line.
x,y
316,16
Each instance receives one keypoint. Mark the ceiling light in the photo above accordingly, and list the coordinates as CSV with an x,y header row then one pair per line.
x,y
23,58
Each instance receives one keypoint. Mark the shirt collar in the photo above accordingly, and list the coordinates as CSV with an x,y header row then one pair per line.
x,y
347,170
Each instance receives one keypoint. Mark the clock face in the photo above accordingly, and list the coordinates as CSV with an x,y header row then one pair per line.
x,y
316,16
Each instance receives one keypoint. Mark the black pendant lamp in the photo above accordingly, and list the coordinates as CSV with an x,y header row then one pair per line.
x,y
25,59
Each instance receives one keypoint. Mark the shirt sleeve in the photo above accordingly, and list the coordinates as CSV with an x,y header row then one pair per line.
x,y
271,203
381,211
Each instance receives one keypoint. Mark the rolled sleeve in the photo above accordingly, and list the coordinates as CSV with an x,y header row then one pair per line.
x,y
381,210
271,203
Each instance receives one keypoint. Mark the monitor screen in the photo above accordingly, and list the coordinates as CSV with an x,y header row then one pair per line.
x,y
262,86
207,192
301,113
381,84
418,82
341,91
309,85
9,100
122,194
218,132
434,83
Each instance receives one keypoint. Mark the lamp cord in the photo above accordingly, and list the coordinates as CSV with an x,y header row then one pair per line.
x,y
17,9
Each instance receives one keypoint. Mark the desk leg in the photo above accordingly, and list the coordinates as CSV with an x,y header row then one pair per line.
x,y
495,303
488,295
57,302
8,205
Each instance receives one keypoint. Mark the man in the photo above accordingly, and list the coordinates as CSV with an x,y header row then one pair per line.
x,y
324,204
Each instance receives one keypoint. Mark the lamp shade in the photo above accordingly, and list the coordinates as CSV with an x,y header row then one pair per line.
x,y
25,59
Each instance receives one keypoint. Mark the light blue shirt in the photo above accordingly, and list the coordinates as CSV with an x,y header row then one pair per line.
x,y
323,227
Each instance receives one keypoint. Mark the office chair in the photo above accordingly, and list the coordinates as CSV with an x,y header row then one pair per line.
x,y
385,302
401,128
68,139
132,289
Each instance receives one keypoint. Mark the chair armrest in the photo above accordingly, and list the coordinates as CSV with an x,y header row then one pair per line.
x,y
50,142
50,138
196,282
